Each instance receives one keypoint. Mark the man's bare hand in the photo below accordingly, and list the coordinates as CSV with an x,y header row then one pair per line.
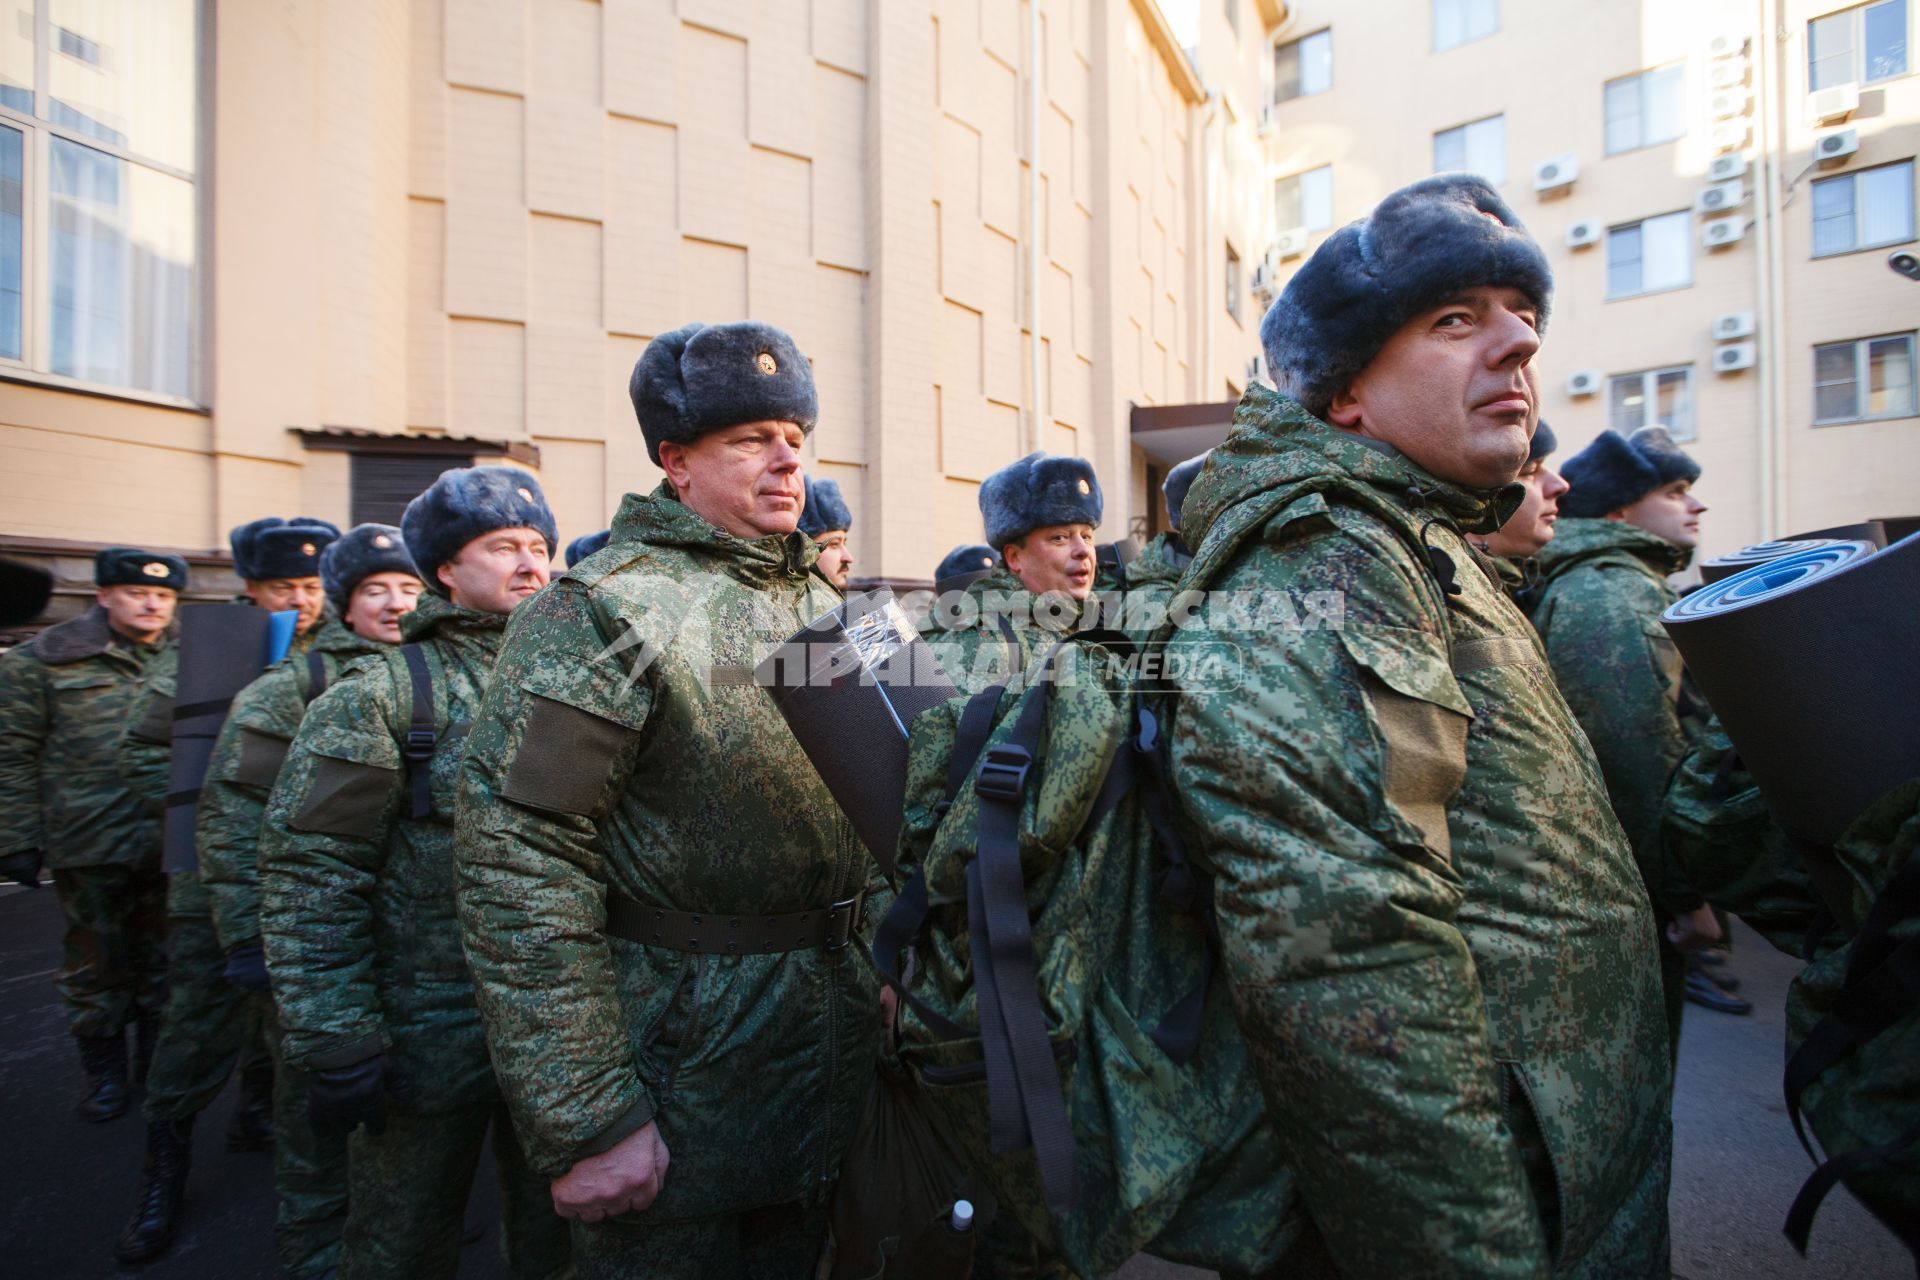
x,y
889,1007
1694,931
622,1180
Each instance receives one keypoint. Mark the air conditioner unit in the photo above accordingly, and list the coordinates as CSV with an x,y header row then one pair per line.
x,y
1729,73
1727,167
1721,232
1834,104
1731,135
1266,120
1290,243
1261,283
1733,325
1721,197
1735,357
1582,234
1584,383
1257,369
1729,103
1726,45
1834,148
1556,174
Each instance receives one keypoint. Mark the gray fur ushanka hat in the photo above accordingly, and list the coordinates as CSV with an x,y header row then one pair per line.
x,y
585,545
358,554
826,511
1422,245
275,548
1615,471
133,567
1178,481
701,377
1544,442
1039,490
467,502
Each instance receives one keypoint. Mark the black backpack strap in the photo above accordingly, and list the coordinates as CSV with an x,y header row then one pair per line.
x,y
1799,1224
316,675
421,738
1185,888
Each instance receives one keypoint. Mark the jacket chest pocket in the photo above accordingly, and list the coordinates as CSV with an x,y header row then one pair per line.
x,y
84,704
1664,654
1421,718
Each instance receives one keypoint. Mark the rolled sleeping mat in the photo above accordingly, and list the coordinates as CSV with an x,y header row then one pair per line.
x,y
1721,567
1873,531
1899,528
1808,661
849,684
223,648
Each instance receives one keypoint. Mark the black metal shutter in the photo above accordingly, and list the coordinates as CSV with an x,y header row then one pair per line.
x,y
384,483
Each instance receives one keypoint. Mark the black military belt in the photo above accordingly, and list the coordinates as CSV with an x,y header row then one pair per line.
x,y
828,928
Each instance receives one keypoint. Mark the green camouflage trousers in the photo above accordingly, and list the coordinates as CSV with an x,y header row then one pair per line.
x,y
779,1242
309,1171
408,1191
115,964
209,1023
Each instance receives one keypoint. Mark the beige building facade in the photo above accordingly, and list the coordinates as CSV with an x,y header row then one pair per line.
x,y
296,258
1718,184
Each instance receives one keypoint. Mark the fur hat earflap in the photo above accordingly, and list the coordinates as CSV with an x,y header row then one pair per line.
x,y
701,377
1422,245
1039,491
358,554
1178,481
585,545
826,511
276,548
132,567
1616,471
467,502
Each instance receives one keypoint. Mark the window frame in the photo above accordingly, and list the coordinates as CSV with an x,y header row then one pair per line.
x,y
1433,15
1852,177
1639,80
1650,394
1304,224
1639,224
1862,378
36,245
1465,147
1294,44
1856,16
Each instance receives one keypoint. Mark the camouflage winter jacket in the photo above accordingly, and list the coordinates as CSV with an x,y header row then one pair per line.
x,y
624,753
1431,922
1151,582
1599,612
971,637
246,759
65,702
357,894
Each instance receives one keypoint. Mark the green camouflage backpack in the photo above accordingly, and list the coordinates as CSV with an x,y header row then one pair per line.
x,y
1059,1016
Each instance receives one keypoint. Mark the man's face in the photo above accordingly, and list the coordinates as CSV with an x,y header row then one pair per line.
x,y
374,608
836,557
277,595
1531,527
497,570
1451,389
744,479
140,614
1059,557
1670,512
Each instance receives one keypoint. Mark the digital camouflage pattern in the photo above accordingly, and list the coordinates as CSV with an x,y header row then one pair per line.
x,y
210,1024
113,967
1152,580
970,637
623,749
1439,948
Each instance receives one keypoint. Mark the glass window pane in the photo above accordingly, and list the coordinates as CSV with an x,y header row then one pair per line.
x,y
1448,20
1627,402
1676,402
1483,18
1286,204
1487,149
1835,384
16,55
1449,150
1886,204
1890,377
121,266
1665,109
1623,261
1316,63
1286,72
1316,198
1833,215
1668,251
122,71
1830,51
12,152
1884,36
1623,115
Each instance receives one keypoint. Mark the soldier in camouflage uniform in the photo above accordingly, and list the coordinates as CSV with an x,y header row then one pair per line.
x,y
1155,572
701,991
356,862
369,582
1630,520
828,520
1437,943
65,700
1514,546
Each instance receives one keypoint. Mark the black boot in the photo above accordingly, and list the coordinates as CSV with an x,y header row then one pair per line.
x,y
146,1034
104,1059
1702,991
163,1184
251,1128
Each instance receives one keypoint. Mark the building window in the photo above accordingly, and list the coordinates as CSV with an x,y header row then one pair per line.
x,y
1858,45
1480,147
1650,255
1233,283
98,219
1652,397
1303,67
1647,109
1457,21
1304,200
383,484
1866,209
1863,381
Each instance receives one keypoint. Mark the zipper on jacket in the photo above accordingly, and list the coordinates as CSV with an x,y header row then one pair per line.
x,y
692,1028
1555,1225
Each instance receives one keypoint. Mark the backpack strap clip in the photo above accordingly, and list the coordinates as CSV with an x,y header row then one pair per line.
x,y
418,746
1003,772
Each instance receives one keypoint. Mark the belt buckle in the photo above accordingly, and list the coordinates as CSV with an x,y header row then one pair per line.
x,y
840,918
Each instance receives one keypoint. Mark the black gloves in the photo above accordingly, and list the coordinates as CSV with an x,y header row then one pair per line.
x,y
341,1099
247,967
22,867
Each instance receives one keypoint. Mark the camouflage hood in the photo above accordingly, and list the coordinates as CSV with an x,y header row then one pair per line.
x,y
1276,443
1581,540
439,616
662,520
1162,560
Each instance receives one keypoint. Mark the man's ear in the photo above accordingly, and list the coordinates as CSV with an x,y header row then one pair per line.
x,y
1010,556
1344,410
1618,513
673,461
101,595
440,574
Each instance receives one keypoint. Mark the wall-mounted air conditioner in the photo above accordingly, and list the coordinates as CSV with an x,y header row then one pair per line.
x,y
1584,233
1584,383
1731,135
1728,73
1556,174
1735,357
1721,232
1833,104
1728,44
1291,243
1721,197
1834,148
1733,325
1729,103
1727,167
1257,369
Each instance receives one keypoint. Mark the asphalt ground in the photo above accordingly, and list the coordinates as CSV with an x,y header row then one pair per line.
x,y
66,1186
